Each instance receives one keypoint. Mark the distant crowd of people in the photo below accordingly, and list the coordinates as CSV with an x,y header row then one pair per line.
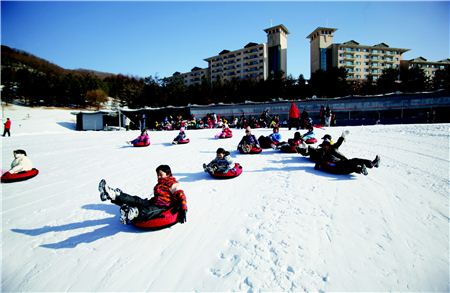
x,y
295,119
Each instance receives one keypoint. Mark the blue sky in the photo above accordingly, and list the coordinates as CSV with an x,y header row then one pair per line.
x,y
158,38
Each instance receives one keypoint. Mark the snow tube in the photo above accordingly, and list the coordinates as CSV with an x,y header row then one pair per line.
x,y
333,168
288,149
254,150
182,141
21,176
232,173
311,140
166,219
223,135
141,144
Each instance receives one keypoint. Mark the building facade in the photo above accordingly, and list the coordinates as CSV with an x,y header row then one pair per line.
x,y
429,67
360,61
254,61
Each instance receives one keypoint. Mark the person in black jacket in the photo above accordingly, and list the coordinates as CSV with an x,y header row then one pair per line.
x,y
314,152
330,159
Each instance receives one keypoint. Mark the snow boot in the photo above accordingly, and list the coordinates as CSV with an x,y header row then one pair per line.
x,y
376,162
127,214
107,192
361,169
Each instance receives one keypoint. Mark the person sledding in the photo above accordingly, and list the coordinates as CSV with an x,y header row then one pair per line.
x,y
272,140
167,194
249,144
313,152
226,132
222,163
21,168
330,160
21,162
309,137
141,140
291,145
181,137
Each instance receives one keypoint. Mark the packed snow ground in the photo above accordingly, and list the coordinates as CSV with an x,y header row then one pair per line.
x,y
280,226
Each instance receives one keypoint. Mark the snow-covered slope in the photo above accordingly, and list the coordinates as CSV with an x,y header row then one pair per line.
x,y
280,226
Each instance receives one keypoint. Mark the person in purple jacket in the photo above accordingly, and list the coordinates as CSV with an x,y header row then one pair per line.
x,y
143,138
248,141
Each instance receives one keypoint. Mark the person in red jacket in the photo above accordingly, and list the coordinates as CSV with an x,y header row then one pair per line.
x,y
166,194
294,116
7,127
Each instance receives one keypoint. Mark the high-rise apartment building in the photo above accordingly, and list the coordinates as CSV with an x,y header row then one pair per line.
x,y
254,61
429,67
360,61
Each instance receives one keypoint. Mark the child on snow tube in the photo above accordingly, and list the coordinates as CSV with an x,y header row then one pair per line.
x,y
21,168
168,195
141,140
21,162
309,137
222,163
226,132
181,137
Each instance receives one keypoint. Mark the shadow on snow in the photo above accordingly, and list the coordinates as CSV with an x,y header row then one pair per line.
x,y
110,227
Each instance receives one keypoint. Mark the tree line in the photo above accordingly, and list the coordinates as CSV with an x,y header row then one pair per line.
x,y
37,81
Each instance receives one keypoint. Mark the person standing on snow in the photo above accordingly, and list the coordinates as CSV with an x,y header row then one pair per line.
x,y
294,116
7,127
167,194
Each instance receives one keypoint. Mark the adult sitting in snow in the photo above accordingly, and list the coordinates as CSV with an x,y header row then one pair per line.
x,y
143,138
248,141
167,194
314,152
330,159
21,162
271,140
181,136
222,163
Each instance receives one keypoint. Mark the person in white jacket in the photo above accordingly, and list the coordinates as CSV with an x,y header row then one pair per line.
x,y
21,162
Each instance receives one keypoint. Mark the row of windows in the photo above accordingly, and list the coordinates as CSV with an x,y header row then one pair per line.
x,y
256,56
223,57
235,66
357,56
373,51
429,66
374,64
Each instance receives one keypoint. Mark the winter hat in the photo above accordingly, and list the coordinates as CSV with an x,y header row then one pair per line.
x,y
325,142
220,151
182,129
248,129
20,152
327,136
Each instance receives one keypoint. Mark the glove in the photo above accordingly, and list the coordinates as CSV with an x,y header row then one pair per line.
x,y
182,216
345,133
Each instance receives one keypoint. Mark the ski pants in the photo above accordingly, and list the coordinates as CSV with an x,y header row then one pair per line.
x,y
352,164
146,209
